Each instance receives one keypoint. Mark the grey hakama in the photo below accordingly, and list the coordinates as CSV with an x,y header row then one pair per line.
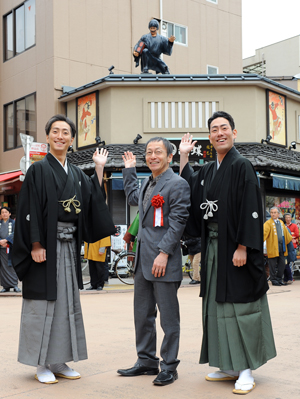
x,y
52,331
236,336
8,277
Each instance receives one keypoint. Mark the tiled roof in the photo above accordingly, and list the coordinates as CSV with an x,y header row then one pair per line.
x,y
270,157
267,157
178,79
83,159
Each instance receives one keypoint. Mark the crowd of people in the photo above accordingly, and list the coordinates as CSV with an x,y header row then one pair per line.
x,y
218,208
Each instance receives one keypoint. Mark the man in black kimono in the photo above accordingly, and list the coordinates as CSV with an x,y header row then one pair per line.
x,y
59,207
155,45
226,211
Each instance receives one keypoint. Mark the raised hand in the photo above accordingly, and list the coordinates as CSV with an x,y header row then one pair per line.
x,y
100,156
187,144
129,159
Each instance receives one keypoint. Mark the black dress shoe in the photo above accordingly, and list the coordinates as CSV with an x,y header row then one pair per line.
x,y
5,290
276,283
90,288
99,288
194,282
282,283
17,289
166,377
138,369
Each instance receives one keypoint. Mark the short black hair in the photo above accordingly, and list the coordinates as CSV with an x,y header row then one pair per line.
x,y
221,114
166,143
153,24
63,118
5,207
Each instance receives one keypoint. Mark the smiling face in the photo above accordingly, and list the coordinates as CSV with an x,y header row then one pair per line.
x,y
59,138
222,136
288,219
153,31
5,214
156,158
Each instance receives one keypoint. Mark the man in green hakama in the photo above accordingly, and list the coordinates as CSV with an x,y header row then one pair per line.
x,y
226,211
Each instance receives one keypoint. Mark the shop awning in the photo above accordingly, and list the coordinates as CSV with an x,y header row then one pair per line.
x,y
117,180
9,176
286,182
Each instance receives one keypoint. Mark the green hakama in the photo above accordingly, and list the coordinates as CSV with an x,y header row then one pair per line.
x,y
236,336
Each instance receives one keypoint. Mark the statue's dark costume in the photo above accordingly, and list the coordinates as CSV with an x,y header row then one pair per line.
x,y
154,47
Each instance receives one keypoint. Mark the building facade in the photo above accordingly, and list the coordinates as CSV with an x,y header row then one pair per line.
x,y
129,110
281,59
49,46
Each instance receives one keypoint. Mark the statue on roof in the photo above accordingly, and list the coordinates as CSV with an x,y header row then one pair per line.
x,y
149,48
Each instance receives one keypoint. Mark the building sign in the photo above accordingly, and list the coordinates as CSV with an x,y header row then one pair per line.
x,y
87,127
276,118
37,152
202,153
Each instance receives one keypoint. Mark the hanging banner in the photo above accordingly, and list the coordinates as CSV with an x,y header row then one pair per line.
x,y
37,152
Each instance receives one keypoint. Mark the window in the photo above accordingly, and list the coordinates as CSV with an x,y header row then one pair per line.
x,y
19,29
212,70
19,117
8,34
179,31
213,1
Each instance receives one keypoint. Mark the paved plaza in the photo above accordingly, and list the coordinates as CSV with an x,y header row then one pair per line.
x,y
108,317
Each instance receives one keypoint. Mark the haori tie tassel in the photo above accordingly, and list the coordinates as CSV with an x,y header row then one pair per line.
x,y
72,201
210,207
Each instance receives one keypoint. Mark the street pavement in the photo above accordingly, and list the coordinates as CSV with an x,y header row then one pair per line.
x,y
108,317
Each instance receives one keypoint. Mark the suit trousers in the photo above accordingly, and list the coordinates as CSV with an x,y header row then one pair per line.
x,y
148,295
276,266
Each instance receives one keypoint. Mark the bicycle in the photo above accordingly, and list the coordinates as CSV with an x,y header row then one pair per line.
x,y
188,268
122,266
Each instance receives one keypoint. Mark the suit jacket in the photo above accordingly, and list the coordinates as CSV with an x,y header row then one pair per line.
x,y
176,194
271,238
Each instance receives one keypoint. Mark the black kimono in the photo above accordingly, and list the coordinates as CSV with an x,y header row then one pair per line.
x,y
39,210
59,210
154,47
226,211
240,221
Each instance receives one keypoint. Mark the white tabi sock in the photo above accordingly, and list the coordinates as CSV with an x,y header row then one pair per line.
x,y
44,375
221,374
245,381
61,369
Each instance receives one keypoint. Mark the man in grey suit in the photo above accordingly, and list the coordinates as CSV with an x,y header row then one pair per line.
x,y
163,201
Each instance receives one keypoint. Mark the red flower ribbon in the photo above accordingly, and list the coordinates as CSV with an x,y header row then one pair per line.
x,y
157,202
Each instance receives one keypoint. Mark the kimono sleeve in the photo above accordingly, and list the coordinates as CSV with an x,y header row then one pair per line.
x,y
97,219
193,225
28,225
167,46
249,231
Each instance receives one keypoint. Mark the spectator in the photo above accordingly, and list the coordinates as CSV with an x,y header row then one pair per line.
x,y
8,275
277,238
98,266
